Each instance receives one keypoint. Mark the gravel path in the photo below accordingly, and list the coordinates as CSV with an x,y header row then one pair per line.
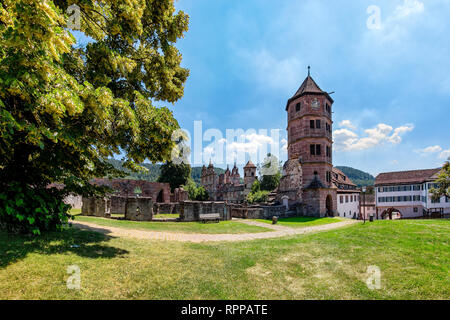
x,y
279,231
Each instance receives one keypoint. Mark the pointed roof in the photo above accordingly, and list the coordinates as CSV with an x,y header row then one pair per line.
x,y
308,86
249,165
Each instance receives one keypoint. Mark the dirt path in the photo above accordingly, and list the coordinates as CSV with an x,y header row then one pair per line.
x,y
279,231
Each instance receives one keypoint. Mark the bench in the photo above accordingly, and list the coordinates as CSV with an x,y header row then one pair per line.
x,y
209,217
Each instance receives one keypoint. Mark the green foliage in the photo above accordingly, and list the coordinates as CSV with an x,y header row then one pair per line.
x,y
65,109
270,173
257,197
256,186
443,182
31,211
360,178
175,174
197,193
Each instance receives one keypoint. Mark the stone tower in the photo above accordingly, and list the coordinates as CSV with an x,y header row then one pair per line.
x,y
249,176
310,143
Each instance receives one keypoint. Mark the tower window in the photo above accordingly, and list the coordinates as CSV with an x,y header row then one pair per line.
x,y
318,150
328,151
312,149
328,108
311,124
318,124
298,106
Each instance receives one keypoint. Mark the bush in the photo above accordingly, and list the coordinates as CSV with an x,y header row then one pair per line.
x,y
258,196
28,210
196,193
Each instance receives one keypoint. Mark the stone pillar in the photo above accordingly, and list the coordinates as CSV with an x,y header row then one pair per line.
x,y
139,209
102,207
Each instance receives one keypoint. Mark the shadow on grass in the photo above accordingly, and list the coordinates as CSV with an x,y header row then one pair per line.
x,y
85,243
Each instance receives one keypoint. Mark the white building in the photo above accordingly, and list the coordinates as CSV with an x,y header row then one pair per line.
x,y
406,194
348,195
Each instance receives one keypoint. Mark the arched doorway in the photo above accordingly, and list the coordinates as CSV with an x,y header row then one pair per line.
x,y
160,197
391,214
329,206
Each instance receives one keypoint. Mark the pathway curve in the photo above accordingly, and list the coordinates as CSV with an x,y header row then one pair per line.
x,y
279,231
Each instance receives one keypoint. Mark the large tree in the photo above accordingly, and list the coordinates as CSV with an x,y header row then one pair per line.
x,y
66,108
175,174
443,183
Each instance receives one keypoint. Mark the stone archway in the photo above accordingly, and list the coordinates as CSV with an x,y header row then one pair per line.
x,y
160,197
391,214
329,206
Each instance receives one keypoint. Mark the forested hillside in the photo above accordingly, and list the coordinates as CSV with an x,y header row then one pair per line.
x,y
359,177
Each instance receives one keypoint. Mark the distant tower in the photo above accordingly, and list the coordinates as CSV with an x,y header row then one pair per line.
x,y
249,176
210,180
235,176
310,142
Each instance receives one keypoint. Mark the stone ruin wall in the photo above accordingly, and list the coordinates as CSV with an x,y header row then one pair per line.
x,y
191,210
126,187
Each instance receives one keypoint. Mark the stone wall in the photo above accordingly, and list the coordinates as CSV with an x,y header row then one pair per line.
x,y
166,208
191,210
98,207
139,209
261,212
160,192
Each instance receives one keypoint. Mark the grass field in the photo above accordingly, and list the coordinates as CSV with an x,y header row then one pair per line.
x,y
166,216
231,227
300,222
413,256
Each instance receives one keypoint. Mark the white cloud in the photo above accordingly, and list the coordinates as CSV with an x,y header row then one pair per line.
x,y
409,7
347,140
445,154
278,73
431,149
394,162
348,124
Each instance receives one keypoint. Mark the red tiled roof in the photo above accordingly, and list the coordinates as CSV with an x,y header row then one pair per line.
x,y
413,176
340,178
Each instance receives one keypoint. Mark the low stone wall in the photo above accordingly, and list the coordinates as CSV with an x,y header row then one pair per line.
x,y
262,212
191,210
98,207
139,209
118,204
166,208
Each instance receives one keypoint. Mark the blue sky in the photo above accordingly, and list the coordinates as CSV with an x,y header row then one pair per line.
x,y
392,84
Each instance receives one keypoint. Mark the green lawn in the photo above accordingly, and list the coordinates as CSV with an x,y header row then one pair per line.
x,y
300,222
413,256
185,227
166,216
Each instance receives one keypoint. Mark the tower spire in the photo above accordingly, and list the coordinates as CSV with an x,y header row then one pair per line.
x,y
309,71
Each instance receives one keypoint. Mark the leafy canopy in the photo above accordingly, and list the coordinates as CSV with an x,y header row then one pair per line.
x,y
443,183
66,108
